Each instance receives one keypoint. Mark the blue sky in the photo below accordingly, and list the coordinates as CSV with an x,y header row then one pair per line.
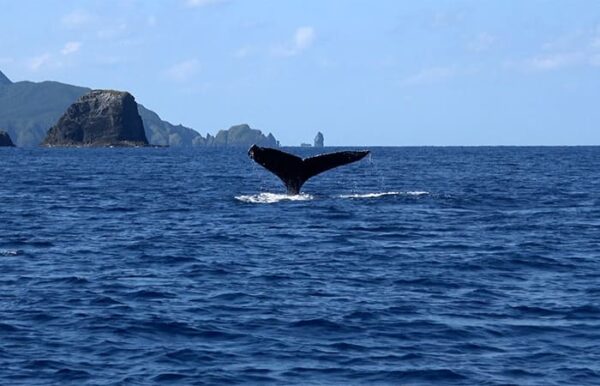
x,y
362,72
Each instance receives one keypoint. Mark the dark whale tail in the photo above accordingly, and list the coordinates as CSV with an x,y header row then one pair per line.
x,y
295,171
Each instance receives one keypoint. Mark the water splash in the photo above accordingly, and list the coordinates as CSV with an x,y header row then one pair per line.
x,y
271,198
9,252
383,194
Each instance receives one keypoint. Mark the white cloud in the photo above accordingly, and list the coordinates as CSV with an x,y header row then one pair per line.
x,y
54,59
580,47
554,61
482,42
70,48
429,76
203,3
112,31
75,19
183,71
303,39
243,52
39,61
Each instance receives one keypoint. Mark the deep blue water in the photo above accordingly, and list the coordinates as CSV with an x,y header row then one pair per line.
x,y
416,266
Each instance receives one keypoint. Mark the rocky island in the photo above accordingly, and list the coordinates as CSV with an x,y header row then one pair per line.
x,y
5,139
98,119
241,135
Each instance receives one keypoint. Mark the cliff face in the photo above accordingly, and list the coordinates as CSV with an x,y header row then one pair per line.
x,y
99,118
5,139
163,133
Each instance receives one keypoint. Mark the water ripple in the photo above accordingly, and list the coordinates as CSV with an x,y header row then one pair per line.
x,y
423,266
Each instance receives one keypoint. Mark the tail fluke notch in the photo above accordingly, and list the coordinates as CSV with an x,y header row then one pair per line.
x,y
295,171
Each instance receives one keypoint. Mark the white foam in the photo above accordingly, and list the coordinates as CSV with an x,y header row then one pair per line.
x,y
270,198
8,252
383,194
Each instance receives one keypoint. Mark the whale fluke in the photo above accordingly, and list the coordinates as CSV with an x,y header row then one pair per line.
x,y
295,171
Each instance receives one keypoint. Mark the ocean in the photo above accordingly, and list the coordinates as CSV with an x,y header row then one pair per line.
x,y
416,265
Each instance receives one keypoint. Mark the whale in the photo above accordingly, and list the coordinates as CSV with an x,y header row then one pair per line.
x,y
294,171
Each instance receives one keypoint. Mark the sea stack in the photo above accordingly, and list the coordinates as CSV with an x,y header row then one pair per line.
x,y
98,119
5,139
319,140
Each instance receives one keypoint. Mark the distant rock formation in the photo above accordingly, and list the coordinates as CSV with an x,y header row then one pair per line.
x,y
241,135
5,139
99,118
319,140
164,133
4,79
28,109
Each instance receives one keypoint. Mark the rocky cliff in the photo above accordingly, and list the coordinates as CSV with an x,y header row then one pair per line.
x,y
5,139
99,118
164,133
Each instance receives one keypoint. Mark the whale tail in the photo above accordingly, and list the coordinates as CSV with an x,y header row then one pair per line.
x,y
295,171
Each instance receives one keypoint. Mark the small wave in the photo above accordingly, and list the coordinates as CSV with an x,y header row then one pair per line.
x,y
10,252
317,323
170,377
270,198
8,328
76,280
105,301
68,374
150,294
419,375
189,355
324,325
344,346
383,194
